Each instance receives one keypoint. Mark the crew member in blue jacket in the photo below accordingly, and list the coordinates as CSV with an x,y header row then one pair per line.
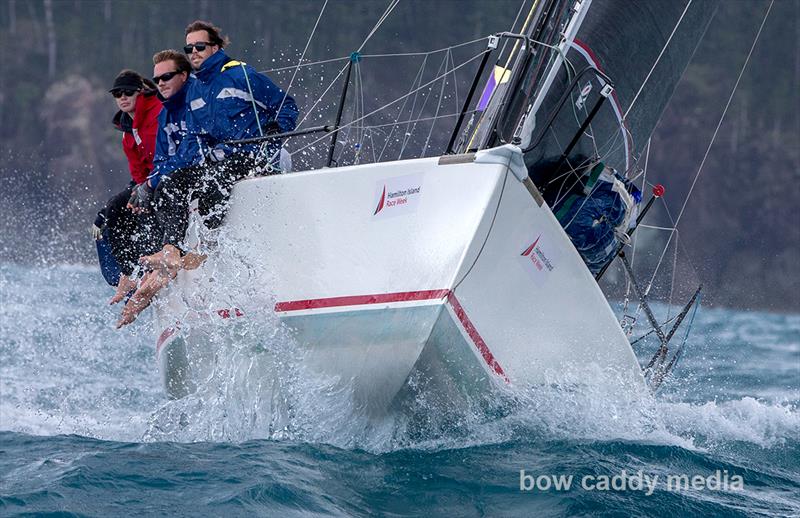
x,y
174,148
229,100
172,74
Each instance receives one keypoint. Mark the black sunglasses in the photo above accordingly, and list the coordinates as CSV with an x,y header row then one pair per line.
x,y
200,46
165,77
126,92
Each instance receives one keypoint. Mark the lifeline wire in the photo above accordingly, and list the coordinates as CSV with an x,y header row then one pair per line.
x,y
407,138
418,77
281,69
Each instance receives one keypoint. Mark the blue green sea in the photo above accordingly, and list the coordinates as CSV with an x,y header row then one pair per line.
x,y
86,429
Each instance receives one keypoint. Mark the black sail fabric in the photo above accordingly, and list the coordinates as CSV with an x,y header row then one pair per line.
x,y
633,44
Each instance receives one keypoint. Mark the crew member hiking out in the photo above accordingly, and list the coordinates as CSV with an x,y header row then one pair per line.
x,y
137,119
228,101
172,76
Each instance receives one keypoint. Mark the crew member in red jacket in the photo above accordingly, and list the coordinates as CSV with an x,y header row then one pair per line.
x,y
128,232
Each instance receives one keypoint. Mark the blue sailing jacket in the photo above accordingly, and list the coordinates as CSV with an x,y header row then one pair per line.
x,y
173,149
221,107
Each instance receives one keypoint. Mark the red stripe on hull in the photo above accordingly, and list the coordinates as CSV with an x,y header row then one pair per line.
x,y
360,300
164,336
405,296
487,355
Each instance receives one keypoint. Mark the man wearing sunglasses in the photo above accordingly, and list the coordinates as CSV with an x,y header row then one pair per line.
x,y
172,76
174,150
228,101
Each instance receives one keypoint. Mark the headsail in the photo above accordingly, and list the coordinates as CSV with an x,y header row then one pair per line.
x,y
643,48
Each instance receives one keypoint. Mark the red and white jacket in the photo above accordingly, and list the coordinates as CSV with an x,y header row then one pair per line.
x,y
139,135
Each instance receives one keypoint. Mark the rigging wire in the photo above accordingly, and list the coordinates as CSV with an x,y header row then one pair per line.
x,y
711,143
302,56
465,63
380,21
635,240
725,111
635,97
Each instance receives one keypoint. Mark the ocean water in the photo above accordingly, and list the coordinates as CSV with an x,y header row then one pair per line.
x,y
86,430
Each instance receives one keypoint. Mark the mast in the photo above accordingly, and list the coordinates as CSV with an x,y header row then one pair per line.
x,y
550,27
581,9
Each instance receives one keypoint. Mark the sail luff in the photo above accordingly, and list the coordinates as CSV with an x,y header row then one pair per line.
x,y
643,47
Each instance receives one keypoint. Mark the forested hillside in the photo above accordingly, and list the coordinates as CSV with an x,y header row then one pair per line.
x,y
60,158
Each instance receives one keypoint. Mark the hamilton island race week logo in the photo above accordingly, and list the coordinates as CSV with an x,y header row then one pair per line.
x,y
539,259
396,196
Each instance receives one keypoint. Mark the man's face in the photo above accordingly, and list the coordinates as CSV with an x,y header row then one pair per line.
x,y
168,87
196,57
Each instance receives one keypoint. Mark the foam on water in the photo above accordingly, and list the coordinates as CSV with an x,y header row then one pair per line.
x,y
65,370
263,432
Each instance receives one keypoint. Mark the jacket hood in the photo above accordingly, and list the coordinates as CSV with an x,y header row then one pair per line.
x,y
146,102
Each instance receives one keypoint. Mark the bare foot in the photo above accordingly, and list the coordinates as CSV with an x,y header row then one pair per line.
x,y
152,283
192,261
169,258
124,286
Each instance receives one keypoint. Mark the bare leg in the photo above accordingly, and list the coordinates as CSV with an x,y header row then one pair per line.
x,y
192,261
169,258
165,265
124,286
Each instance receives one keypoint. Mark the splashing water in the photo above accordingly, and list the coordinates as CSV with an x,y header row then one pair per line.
x,y
732,403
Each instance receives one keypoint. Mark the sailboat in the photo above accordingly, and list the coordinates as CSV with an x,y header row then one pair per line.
x,y
461,266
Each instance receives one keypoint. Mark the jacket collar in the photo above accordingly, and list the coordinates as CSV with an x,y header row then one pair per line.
x,y
178,99
212,66
145,102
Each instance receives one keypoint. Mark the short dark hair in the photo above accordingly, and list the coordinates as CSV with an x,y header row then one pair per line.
x,y
214,32
180,59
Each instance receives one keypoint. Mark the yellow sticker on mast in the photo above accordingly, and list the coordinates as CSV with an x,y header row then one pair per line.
x,y
397,196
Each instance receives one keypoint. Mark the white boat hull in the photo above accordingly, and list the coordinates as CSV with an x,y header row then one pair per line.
x,y
445,265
